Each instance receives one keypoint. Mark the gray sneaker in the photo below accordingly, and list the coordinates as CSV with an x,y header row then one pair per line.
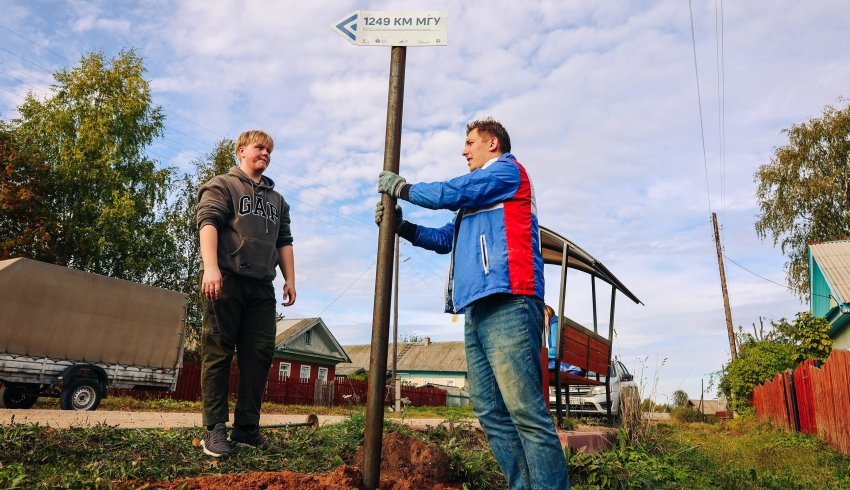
x,y
215,443
251,438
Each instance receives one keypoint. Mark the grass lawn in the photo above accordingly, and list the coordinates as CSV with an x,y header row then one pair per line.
x,y
746,453
739,454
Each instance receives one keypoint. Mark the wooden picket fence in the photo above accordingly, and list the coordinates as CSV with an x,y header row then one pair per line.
x,y
814,398
291,391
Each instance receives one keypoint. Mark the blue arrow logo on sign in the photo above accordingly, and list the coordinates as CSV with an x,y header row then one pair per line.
x,y
348,27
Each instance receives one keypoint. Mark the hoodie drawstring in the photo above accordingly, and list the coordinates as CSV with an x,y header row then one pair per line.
x,y
254,201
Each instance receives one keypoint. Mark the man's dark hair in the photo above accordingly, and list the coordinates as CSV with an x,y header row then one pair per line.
x,y
493,128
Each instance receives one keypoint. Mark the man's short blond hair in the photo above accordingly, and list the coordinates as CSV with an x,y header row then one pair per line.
x,y
254,136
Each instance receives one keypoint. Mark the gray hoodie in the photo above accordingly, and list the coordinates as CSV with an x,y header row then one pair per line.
x,y
252,222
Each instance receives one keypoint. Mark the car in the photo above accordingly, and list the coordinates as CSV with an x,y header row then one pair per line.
x,y
590,400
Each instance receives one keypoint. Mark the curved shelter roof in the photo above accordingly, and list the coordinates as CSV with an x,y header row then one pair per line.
x,y
554,246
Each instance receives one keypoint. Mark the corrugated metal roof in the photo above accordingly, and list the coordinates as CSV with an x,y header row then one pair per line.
x,y
286,329
710,407
345,371
414,356
433,356
833,258
359,355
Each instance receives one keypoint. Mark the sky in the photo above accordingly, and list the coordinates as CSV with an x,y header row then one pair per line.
x,y
629,151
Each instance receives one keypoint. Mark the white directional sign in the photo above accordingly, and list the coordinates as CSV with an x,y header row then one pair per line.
x,y
394,28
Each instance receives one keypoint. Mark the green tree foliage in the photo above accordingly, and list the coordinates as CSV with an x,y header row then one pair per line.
x,y
680,398
182,252
782,348
804,192
811,337
99,187
27,226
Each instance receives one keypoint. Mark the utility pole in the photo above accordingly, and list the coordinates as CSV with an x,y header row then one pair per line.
x,y
732,348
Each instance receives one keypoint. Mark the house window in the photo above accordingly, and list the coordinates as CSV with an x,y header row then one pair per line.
x,y
284,370
323,374
305,372
308,338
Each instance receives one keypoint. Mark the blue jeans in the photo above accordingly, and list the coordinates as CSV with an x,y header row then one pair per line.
x,y
503,341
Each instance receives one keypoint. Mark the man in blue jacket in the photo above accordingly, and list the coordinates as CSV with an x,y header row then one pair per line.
x,y
496,282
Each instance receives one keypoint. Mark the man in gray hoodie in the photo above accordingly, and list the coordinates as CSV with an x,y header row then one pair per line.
x,y
245,234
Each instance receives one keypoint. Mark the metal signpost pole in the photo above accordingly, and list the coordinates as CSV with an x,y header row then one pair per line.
x,y
383,281
399,30
395,330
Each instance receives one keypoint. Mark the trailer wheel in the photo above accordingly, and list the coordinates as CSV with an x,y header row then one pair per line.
x,y
81,394
17,395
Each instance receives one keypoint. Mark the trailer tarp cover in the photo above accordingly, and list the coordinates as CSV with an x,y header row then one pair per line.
x,y
51,311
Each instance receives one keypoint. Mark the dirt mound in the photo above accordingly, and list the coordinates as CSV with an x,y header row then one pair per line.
x,y
407,464
411,464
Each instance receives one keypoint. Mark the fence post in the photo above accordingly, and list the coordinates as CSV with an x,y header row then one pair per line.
x,y
795,413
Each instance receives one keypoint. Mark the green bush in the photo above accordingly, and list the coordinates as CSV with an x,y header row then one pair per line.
x,y
763,356
690,414
625,466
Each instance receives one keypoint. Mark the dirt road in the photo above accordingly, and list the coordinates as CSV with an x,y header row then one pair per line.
x,y
142,420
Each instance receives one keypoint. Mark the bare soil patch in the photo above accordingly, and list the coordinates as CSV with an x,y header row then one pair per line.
x,y
407,464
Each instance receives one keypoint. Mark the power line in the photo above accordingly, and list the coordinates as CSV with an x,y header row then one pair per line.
x,y
34,43
773,282
721,102
758,275
699,101
348,287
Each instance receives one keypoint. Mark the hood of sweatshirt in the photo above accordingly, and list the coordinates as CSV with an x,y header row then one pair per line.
x,y
265,182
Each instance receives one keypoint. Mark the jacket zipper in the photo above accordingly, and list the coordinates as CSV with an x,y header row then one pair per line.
x,y
485,259
450,282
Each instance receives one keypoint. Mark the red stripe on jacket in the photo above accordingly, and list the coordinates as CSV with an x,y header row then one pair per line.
x,y
518,237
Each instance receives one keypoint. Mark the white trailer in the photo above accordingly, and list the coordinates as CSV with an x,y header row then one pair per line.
x,y
71,334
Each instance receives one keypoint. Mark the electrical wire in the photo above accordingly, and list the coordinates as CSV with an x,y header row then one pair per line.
x,y
755,274
699,101
721,102
348,287
771,281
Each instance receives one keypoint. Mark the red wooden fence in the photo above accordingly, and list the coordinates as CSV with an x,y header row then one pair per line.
x,y
820,403
291,391
772,401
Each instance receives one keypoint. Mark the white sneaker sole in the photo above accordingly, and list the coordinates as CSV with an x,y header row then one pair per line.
x,y
210,453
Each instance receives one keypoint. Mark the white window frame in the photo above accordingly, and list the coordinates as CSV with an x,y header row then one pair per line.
x,y
284,367
323,374
309,370
308,337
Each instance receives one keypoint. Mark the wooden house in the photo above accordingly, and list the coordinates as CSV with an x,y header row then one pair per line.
x,y
829,288
305,348
439,364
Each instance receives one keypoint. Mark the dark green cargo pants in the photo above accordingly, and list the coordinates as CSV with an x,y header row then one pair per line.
x,y
243,318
